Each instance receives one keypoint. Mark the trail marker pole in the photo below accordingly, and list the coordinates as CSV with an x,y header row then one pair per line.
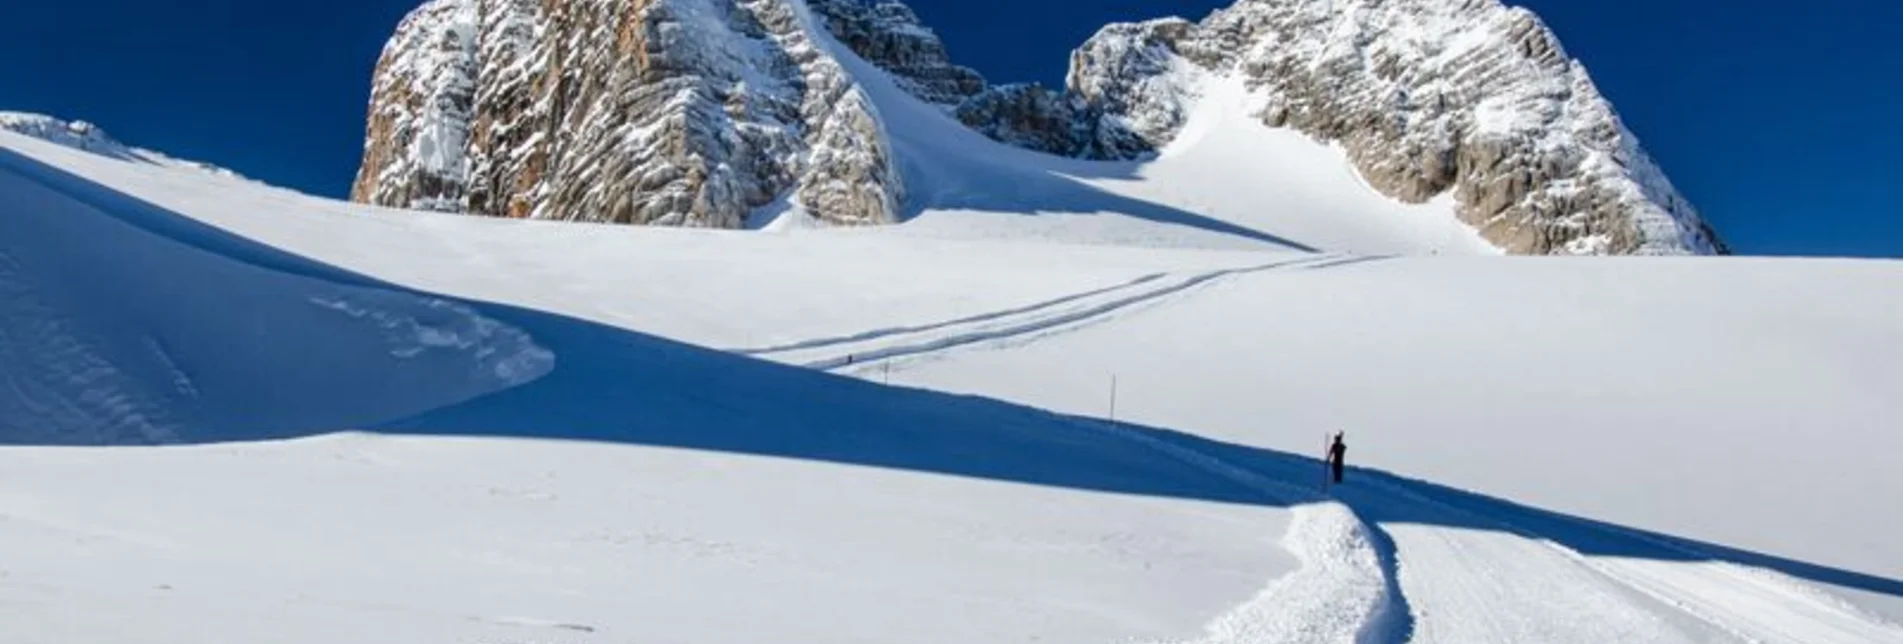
x,y
1113,397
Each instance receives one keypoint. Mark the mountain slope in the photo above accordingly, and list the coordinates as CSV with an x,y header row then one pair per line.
x,y
80,135
1201,191
645,487
673,112
710,112
1428,97
706,476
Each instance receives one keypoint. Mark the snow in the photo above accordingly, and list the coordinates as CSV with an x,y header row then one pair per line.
x,y
1706,399
630,476
81,135
1225,182
1103,399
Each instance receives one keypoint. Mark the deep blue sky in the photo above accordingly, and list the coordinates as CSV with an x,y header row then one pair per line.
x,y
1782,120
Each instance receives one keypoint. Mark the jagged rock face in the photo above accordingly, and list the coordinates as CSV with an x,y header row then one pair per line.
x,y
1130,74
888,34
1426,96
665,112
1034,117
699,112
420,108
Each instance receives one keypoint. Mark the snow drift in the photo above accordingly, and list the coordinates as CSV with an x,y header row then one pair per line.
x,y
125,323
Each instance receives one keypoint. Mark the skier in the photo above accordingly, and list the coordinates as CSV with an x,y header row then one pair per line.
x,y
1337,454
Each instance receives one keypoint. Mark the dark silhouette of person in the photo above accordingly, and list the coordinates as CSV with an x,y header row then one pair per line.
x,y
1337,455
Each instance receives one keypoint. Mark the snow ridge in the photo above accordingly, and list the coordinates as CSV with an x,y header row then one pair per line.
x,y
84,136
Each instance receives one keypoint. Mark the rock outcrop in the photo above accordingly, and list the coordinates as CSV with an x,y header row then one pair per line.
x,y
1426,97
888,34
86,137
421,102
700,112
665,112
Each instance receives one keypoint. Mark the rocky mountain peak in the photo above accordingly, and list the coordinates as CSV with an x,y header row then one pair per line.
x,y
1427,97
888,34
704,112
668,112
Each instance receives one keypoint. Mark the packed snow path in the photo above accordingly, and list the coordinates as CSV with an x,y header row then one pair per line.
x,y
647,489
1377,566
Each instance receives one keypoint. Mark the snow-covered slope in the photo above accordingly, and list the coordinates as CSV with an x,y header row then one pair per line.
x,y
1202,191
556,449
81,135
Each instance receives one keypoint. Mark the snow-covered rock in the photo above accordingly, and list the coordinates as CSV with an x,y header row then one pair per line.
x,y
78,135
704,112
672,112
888,34
81,135
1034,117
415,153
1427,97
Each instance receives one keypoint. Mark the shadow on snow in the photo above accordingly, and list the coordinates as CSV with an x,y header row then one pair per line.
x,y
614,385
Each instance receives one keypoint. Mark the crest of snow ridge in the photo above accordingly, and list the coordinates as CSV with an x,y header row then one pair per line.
x,y
86,137
697,112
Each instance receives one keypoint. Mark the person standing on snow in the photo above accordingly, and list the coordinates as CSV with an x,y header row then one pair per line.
x,y
1337,455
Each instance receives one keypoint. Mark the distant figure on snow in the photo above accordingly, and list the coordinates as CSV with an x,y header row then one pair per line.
x,y
1337,454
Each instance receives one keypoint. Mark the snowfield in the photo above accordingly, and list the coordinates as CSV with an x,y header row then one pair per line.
x,y
1066,402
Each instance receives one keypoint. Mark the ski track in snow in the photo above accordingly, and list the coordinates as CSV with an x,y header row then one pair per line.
x,y
1074,311
1345,589
1757,605
1352,585
1381,559
920,328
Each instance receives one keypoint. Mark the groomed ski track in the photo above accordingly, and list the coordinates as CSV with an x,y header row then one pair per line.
x,y
1380,560
1374,568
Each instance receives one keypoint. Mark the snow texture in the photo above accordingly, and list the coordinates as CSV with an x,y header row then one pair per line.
x,y
554,455
81,135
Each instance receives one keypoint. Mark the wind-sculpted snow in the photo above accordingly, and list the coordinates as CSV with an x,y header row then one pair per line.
x,y
416,329
81,135
616,479
92,353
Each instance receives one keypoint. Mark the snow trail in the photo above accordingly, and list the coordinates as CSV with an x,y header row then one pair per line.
x,y
1485,574
919,328
1123,543
1071,312
1346,589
